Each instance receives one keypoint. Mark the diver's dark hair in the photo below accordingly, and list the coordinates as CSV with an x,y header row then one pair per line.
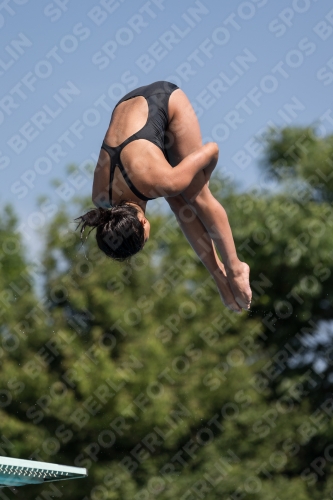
x,y
119,232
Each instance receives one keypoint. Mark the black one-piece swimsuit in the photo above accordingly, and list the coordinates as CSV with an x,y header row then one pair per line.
x,y
157,96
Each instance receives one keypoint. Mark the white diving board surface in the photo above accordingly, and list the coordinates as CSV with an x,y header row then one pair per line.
x,y
15,472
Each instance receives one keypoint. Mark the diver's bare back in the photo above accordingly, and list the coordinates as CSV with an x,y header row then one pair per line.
x,y
140,158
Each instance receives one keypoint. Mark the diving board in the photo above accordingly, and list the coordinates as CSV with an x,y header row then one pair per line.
x,y
16,472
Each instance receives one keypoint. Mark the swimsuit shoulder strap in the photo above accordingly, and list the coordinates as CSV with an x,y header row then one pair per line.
x,y
114,153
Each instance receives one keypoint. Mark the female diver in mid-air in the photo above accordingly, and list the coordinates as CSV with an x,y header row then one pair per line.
x,y
153,129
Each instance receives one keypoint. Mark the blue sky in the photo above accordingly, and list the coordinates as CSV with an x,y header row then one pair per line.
x,y
64,64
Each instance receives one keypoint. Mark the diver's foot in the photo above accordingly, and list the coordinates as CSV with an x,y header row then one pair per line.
x,y
239,281
225,291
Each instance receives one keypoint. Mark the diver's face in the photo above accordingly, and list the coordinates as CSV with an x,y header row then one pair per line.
x,y
146,225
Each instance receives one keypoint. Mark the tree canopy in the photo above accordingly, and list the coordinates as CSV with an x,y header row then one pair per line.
x,y
138,372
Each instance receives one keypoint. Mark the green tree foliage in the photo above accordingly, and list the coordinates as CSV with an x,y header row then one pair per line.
x,y
137,371
25,327
295,154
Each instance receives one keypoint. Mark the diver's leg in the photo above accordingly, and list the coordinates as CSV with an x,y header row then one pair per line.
x,y
214,218
184,138
200,241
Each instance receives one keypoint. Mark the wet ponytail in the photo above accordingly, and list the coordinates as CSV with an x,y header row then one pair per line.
x,y
119,232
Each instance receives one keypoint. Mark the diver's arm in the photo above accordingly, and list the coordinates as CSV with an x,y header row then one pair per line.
x,y
174,181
